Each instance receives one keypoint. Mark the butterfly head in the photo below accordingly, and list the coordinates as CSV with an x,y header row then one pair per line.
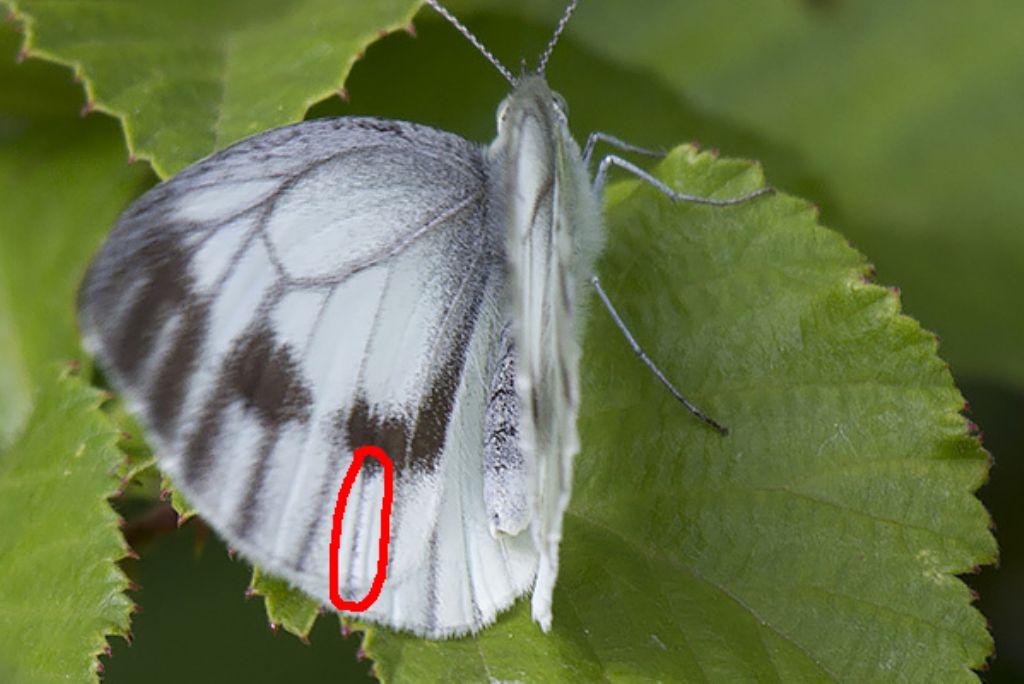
x,y
532,97
532,117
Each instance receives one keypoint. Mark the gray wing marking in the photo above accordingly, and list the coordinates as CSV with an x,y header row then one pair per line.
x,y
507,492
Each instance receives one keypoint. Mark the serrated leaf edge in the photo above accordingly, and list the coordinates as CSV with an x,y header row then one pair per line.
x,y
92,104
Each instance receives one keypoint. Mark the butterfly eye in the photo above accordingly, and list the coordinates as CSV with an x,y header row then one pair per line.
x,y
561,106
502,112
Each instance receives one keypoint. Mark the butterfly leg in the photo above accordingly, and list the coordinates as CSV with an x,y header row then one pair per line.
x,y
598,136
614,160
624,329
506,484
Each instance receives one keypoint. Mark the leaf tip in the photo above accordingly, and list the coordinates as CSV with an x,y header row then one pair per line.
x,y
410,29
343,94
273,627
87,108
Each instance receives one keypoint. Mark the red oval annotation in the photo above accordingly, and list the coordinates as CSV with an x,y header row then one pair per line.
x,y
385,529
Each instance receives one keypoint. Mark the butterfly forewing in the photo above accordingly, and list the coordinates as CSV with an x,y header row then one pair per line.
x,y
302,293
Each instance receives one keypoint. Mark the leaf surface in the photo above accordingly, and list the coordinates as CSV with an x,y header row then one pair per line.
x,y
190,77
61,590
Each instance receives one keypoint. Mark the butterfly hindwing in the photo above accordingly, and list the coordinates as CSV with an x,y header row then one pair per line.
x,y
309,290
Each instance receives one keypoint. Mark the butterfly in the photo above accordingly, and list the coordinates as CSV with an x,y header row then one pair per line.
x,y
361,281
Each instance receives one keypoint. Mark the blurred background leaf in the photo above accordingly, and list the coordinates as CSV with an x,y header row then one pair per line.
x,y
196,625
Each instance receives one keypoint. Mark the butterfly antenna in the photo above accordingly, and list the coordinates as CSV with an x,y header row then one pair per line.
x,y
556,35
472,39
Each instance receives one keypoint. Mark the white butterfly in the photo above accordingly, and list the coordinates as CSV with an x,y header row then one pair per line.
x,y
354,281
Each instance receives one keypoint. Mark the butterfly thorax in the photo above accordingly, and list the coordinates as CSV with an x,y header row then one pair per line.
x,y
545,184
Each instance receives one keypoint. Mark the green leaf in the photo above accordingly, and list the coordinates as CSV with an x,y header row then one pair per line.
x,y
63,180
820,540
139,461
286,607
189,77
61,591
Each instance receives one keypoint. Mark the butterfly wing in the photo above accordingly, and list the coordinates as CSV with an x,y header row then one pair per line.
x,y
554,236
309,290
